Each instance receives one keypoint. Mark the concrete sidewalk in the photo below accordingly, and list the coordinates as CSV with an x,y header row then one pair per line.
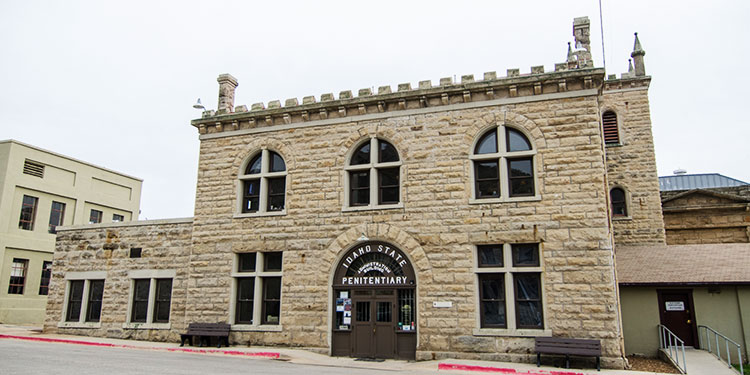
x,y
299,356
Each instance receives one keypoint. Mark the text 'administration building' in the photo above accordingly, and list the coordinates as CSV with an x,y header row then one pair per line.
x,y
458,220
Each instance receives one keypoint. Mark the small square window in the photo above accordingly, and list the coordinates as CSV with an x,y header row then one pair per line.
x,y
490,255
117,218
273,261
525,255
95,217
135,252
246,262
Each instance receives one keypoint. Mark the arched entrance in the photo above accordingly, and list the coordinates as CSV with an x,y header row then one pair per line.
x,y
374,303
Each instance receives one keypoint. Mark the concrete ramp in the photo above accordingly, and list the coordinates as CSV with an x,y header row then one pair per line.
x,y
701,362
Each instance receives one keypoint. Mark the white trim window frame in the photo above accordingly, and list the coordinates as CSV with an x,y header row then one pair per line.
x,y
87,278
263,177
503,157
508,270
153,276
259,275
375,168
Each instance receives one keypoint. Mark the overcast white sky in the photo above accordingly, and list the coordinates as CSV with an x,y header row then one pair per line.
x,y
114,83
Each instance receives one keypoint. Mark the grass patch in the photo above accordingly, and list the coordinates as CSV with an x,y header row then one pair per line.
x,y
746,368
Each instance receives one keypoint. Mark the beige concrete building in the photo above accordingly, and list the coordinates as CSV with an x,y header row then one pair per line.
x,y
458,219
39,191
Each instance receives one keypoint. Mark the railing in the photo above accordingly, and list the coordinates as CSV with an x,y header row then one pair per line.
x,y
672,346
706,345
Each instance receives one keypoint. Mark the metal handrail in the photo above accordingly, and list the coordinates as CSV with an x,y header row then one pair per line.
x,y
708,330
672,346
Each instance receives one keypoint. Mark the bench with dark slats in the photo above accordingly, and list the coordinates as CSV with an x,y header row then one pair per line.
x,y
204,331
567,347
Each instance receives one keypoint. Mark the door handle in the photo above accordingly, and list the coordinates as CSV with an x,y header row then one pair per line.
x,y
373,330
689,321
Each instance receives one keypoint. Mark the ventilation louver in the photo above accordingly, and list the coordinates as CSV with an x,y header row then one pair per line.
x,y
33,168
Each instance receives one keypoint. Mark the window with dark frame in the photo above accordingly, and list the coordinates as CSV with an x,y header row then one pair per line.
x,y
610,128
18,276
56,216
374,162
94,303
506,146
264,183
116,218
28,212
618,201
139,306
46,275
135,252
261,271
95,216
512,271
162,300
75,299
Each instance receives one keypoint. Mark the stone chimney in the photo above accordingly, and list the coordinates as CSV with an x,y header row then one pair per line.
x,y
227,84
637,55
582,50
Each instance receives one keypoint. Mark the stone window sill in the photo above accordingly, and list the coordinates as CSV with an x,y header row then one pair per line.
x,y
147,325
260,214
621,218
613,144
512,332
375,207
533,198
79,324
258,328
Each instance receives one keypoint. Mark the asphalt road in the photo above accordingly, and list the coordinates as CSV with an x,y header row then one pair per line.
x,y
29,357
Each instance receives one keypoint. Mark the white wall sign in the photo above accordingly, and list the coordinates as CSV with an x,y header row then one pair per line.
x,y
675,306
442,304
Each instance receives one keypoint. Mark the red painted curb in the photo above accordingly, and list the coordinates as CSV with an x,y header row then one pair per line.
x,y
500,370
185,350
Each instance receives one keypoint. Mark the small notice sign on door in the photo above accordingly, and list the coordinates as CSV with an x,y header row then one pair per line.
x,y
675,306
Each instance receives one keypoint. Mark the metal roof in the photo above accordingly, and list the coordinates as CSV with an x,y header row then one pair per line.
x,y
697,181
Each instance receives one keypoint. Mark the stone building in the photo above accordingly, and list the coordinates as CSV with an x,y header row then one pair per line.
x,y
452,220
39,187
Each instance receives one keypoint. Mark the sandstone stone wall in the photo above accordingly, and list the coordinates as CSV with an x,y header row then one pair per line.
x,y
165,245
702,218
631,164
437,227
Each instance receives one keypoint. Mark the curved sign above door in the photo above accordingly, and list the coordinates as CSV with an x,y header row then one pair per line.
x,y
374,263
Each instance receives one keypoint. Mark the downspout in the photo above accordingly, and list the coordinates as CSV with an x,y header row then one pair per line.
x,y
742,321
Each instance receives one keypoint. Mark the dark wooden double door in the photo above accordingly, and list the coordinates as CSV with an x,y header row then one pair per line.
x,y
374,323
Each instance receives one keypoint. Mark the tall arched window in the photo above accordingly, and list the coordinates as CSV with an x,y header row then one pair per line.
x,y
263,183
610,129
503,164
618,199
374,175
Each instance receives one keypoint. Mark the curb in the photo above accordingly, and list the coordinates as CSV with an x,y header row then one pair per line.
x,y
272,355
501,370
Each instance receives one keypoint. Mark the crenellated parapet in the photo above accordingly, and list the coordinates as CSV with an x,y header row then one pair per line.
x,y
514,87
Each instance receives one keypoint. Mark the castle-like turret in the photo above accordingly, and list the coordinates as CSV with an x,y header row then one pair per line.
x,y
637,55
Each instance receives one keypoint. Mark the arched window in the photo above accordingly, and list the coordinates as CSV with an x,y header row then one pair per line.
x,y
618,200
373,175
503,164
610,129
263,183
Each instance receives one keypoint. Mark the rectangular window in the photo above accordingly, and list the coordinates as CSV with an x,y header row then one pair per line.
x,y
163,300
487,178
17,276
359,194
388,186
513,274
95,217
258,273
56,215
117,218
28,212
276,192
251,195
46,275
75,299
521,177
94,304
139,311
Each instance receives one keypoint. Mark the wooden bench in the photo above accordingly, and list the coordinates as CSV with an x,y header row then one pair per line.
x,y
204,331
567,347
